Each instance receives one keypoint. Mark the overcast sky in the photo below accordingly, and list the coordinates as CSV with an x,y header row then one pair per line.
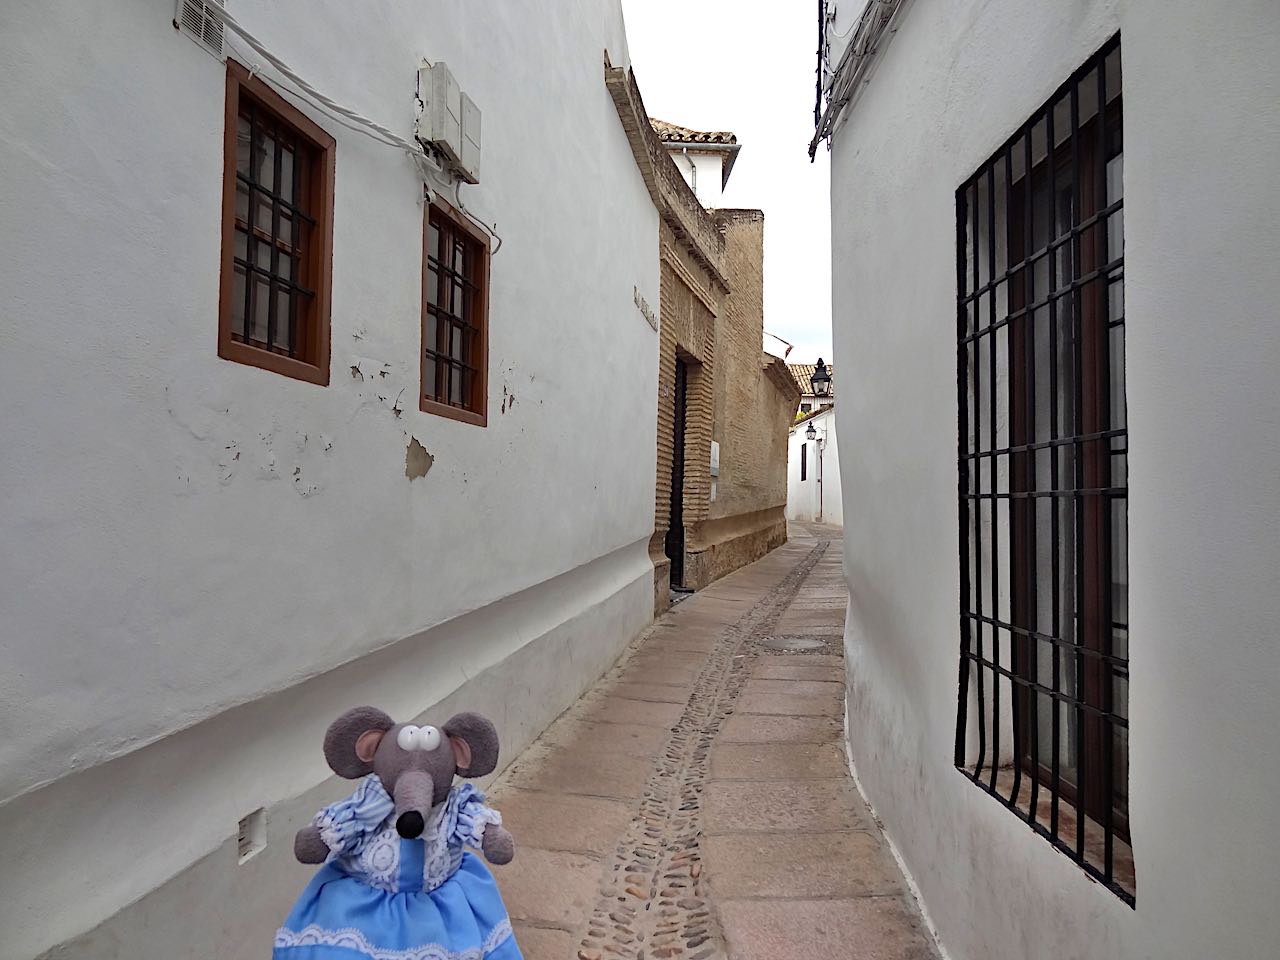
x,y
748,66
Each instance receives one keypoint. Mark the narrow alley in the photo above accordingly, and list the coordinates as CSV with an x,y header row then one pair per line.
x,y
698,803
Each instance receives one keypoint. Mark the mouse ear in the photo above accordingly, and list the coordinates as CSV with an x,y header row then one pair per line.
x,y
352,739
475,744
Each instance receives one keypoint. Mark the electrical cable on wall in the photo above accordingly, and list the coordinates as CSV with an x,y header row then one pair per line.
x,y
428,168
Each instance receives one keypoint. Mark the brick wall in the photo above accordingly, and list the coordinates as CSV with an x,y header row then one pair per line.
x,y
754,406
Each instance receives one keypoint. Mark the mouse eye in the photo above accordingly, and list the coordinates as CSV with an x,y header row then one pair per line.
x,y
407,738
428,738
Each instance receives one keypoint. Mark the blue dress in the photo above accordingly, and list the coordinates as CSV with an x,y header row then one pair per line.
x,y
382,897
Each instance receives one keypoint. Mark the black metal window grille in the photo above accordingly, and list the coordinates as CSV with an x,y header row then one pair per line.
x,y
452,324
1044,666
272,293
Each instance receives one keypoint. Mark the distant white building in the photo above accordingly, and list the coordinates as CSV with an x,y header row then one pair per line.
x,y
813,469
283,435
803,374
706,158
1055,302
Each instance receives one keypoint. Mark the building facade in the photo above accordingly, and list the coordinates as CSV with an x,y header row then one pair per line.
x,y
288,499
813,469
704,158
1054,310
723,403
809,401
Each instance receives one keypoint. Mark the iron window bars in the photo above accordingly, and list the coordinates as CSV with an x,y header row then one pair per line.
x,y
1043,705
278,190
454,317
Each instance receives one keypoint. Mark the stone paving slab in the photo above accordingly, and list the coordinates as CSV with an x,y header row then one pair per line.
x,y
697,804
778,761
549,887
761,805
569,824
785,668
640,740
654,692
623,711
760,728
596,772
865,928
543,943
800,865
792,705
813,689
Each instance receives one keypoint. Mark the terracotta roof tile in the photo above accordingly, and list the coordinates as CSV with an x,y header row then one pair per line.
x,y
674,133
803,371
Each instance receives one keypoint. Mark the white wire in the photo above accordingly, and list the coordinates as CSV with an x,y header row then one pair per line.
x,y
492,231
352,120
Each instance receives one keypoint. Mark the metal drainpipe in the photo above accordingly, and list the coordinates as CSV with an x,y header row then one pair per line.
x,y
821,444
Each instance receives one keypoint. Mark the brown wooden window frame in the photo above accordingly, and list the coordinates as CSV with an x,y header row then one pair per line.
x,y
443,358
314,252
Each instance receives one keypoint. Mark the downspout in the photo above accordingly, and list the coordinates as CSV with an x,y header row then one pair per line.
x,y
821,444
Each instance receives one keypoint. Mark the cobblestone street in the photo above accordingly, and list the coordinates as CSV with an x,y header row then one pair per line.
x,y
697,801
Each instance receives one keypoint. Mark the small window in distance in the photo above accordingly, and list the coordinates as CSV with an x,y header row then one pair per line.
x,y
804,461
277,233
455,317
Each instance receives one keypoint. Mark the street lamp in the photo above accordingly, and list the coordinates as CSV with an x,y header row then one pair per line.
x,y
820,382
811,433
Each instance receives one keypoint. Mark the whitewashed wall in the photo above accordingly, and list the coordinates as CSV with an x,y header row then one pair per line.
x,y
704,172
186,540
808,500
1202,137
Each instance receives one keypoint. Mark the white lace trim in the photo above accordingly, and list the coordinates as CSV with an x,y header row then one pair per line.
x,y
314,935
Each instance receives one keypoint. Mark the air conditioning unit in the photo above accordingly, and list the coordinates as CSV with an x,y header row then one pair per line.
x,y
469,161
449,120
193,18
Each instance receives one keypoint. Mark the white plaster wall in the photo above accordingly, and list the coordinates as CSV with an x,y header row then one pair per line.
x,y
1202,134
183,534
803,495
704,172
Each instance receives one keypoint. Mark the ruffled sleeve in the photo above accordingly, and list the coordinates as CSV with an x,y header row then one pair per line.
x,y
345,825
469,815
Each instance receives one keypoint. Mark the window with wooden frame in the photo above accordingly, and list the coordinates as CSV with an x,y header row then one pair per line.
x,y
804,461
455,309
277,233
1044,669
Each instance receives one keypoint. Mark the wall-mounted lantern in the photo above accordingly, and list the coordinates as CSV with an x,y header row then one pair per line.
x,y
811,433
820,382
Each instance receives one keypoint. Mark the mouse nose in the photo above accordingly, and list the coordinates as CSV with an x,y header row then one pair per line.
x,y
410,824
413,795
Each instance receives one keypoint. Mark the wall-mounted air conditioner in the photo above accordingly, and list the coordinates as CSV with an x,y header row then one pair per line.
x,y
449,120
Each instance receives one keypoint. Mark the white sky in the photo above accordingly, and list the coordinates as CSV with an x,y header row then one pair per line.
x,y
748,66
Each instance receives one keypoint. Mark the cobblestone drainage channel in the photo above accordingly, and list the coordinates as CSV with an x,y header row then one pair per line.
x,y
653,903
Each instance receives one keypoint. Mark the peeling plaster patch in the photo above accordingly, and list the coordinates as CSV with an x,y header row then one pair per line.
x,y
326,443
267,469
355,372
416,460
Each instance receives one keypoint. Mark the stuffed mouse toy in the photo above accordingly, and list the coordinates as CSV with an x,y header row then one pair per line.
x,y
396,881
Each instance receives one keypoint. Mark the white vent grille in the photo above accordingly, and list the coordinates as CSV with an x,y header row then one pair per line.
x,y
253,834
192,17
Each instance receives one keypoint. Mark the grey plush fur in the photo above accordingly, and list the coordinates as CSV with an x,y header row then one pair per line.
x,y
417,780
